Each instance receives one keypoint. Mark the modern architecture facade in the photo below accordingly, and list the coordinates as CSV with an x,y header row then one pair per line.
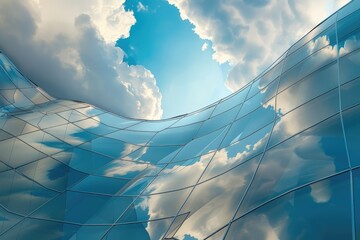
x,y
279,159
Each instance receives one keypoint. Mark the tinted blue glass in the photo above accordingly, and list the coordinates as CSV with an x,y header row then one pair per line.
x,y
215,199
202,145
231,101
85,208
248,124
82,160
110,147
217,122
195,117
311,155
315,61
5,82
183,135
356,181
349,94
146,207
233,155
349,66
310,87
52,174
317,43
349,24
20,195
276,164
305,116
146,231
300,214
152,154
115,121
351,119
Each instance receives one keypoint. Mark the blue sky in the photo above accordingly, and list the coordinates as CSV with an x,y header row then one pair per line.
x,y
162,42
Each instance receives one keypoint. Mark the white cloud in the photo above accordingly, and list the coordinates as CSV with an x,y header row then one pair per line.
x,y
250,35
141,7
204,47
67,48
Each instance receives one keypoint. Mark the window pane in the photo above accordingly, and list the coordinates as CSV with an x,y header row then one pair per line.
x,y
319,211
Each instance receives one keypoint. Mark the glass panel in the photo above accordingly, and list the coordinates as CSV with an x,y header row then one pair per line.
x,y
351,120
152,154
82,160
213,203
13,126
348,24
124,169
72,115
43,229
115,121
155,206
255,102
34,95
51,121
51,174
356,181
7,220
153,125
101,185
5,82
349,67
90,111
318,211
318,59
83,208
183,135
195,117
310,87
248,125
231,101
217,122
110,147
350,43
95,127
309,156
153,230
71,134
313,33
202,145
305,116
350,94
17,78
325,38
16,153
271,74
133,137
179,175
229,157
20,195
44,142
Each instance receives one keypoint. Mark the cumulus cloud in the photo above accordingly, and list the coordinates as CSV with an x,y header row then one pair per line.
x,y
250,35
74,57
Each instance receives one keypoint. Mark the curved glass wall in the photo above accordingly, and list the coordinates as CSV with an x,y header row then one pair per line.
x,y
279,159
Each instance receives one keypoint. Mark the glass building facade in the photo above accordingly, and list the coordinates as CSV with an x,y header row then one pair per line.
x,y
279,159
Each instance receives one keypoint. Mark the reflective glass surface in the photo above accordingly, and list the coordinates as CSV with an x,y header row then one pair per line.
x,y
278,159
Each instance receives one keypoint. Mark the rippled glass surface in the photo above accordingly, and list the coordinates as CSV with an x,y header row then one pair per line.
x,y
278,159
